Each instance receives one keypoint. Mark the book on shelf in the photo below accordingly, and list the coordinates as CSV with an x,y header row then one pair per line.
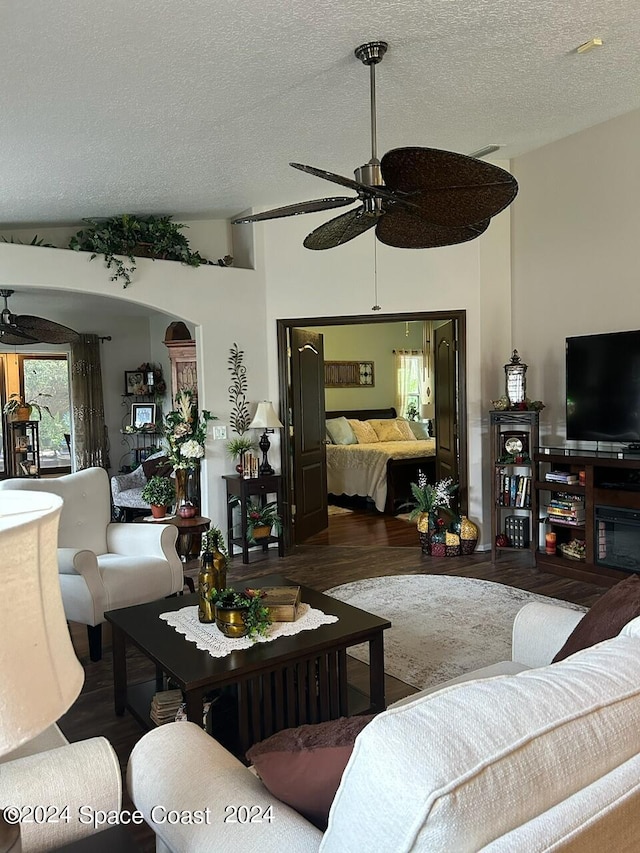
x,y
165,705
565,477
514,490
283,602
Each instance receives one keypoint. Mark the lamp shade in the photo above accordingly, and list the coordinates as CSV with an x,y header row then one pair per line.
x,y
39,671
265,417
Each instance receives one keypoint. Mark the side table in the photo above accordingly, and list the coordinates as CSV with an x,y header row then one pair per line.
x,y
187,529
244,489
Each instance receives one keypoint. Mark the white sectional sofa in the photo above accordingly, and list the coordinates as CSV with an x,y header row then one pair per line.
x,y
515,758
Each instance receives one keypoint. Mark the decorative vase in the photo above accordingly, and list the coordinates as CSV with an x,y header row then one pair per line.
x,y
158,511
438,547
188,488
206,582
187,510
468,535
426,525
452,545
231,621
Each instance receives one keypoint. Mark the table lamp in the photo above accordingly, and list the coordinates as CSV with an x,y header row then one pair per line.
x,y
39,671
265,418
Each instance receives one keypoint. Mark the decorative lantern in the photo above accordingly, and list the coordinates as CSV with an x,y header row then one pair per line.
x,y
515,380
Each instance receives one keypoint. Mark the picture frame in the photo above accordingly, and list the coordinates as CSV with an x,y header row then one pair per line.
x,y
135,382
349,374
143,416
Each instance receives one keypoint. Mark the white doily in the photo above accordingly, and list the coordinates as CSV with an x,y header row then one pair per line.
x,y
208,638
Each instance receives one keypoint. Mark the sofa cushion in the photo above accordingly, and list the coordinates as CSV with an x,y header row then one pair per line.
x,y
364,432
157,466
340,431
476,760
606,618
302,767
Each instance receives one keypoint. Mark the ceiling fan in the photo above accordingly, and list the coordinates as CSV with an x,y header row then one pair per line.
x,y
417,198
20,329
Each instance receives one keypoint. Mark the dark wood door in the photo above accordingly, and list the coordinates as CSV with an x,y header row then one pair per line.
x,y
308,417
446,382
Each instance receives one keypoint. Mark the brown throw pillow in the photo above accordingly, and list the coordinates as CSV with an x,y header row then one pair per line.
x,y
159,466
302,767
606,619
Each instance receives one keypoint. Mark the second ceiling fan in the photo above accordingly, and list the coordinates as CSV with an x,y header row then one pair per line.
x,y
416,198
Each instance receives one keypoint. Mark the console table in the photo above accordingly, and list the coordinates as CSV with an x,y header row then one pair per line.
x,y
244,488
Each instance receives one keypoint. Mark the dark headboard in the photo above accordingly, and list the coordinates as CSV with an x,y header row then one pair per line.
x,y
364,414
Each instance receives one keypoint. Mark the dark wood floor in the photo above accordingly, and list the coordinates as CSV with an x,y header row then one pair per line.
x,y
356,545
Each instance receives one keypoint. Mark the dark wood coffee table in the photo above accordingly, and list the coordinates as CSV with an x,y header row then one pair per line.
x,y
276,685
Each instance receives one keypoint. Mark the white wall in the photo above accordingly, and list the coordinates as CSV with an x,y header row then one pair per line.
x,y
576,252
368,343
340,282
222,305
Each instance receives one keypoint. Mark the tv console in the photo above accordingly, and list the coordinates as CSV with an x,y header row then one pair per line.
x,y
608,490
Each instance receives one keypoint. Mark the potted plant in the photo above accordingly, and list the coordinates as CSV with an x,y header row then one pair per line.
x,y
260,519
134,236
18,409
237,447
428,501
240,614
160,493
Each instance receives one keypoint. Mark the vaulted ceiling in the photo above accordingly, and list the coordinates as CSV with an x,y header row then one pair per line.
x,y
195,107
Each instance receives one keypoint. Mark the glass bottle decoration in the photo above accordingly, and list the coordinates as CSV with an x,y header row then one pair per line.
x,y
515,380
206,582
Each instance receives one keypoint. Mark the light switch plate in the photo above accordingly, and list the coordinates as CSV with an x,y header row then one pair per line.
x,y
219,432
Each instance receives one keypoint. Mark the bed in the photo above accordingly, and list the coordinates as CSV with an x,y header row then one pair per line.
x,y
381,471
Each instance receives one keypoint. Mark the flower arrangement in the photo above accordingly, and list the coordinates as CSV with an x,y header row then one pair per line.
x,y
431,498
186,431
255,615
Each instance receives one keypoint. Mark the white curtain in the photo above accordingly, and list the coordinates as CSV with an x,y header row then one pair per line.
x,y
409,370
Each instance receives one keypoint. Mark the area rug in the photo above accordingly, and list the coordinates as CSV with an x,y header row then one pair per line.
x,y
442,626
338,510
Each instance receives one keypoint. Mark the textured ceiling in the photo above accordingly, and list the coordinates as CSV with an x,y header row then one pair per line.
x,y
196,106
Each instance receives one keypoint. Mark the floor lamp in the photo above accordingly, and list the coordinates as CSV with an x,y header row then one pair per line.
x,y
40,674
265,418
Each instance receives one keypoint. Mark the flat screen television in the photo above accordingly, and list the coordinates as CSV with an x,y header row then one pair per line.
x,y
603,387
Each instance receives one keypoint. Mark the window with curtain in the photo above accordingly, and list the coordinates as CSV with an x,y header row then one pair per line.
x,y
409,374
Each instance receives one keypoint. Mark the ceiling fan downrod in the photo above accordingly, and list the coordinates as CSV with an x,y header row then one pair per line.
x,y
371,53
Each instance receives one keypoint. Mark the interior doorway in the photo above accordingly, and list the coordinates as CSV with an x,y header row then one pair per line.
x,y
303,411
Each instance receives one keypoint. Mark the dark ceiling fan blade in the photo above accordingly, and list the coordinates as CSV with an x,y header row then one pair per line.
x,y
340,230
451,189
45,331
13,337
296,209
406,230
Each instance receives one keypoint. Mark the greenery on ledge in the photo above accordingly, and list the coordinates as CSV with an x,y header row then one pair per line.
x,y
135,236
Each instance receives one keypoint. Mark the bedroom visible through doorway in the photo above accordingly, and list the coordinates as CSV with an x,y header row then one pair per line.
x,y
397,356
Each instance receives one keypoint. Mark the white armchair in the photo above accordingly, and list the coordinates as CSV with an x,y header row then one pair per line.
x,y
104,565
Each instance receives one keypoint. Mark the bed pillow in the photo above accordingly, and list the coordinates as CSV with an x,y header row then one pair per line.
x,y
420,429
387,429
302,767
340,432
405,428
608,616
364,432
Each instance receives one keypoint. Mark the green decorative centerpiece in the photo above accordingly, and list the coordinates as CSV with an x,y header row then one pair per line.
x,y
160,493
134,236
428,502
240,614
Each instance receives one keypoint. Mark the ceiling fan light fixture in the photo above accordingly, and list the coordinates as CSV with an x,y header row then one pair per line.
x,y
415,197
